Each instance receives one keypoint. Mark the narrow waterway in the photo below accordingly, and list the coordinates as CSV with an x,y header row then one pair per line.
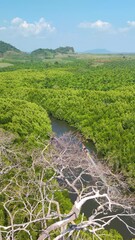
x,y
59,128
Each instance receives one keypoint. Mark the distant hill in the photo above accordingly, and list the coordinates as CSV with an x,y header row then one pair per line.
x,y
51,53
98,51
10,52
65,50
6,47
43,53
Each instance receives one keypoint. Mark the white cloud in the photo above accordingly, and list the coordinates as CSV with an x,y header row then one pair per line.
x,y
99,25
106,26
27,29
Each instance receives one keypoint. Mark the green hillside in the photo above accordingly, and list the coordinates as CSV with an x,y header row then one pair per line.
x,y
51,53
9,53
6,47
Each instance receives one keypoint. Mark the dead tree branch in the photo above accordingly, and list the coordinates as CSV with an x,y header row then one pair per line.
x,y
29,193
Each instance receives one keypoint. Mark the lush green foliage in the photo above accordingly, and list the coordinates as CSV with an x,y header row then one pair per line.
x,y
104,113
96,95
28,121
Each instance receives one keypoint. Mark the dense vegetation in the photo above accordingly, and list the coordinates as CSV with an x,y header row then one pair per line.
x,y
95,94
26,120
98,101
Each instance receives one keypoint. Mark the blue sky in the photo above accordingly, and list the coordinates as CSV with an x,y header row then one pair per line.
x,y
83,24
